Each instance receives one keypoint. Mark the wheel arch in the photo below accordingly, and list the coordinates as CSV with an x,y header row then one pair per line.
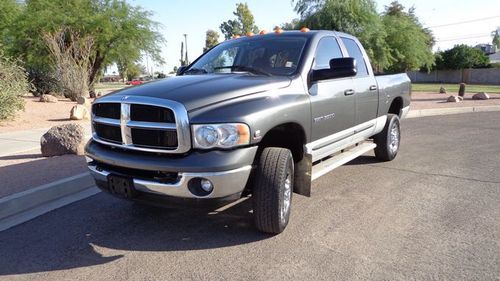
x,y
292,136
396,106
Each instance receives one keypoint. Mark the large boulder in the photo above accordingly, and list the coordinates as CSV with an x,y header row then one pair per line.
x,y
453,99
63,139
48,98
481,96
79,112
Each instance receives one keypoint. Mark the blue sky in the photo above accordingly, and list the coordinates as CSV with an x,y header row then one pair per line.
x,y
194,17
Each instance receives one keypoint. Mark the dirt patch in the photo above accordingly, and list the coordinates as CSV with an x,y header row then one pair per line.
x,y
40,115
423,100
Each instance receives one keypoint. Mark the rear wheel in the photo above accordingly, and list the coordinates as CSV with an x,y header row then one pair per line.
x,y
388,140
272,191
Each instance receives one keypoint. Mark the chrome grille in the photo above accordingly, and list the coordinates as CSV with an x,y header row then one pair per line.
x,y
141,123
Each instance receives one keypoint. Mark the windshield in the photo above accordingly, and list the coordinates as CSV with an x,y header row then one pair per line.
x,y
260,56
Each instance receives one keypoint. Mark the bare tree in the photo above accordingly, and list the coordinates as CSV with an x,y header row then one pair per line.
x,y
71,53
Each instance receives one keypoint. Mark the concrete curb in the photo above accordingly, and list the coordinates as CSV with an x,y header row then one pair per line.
x,y
23,206
415,113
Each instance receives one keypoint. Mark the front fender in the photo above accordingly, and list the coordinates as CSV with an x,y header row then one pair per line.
x,y
261,111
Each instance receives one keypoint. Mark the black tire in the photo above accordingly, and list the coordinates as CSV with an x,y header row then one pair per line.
x,y
273,184
387,142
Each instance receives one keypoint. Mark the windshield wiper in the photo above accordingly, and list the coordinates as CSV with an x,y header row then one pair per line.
x,y
245,68
195,71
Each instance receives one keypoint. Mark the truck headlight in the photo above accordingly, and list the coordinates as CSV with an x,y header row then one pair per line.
x,y
220,135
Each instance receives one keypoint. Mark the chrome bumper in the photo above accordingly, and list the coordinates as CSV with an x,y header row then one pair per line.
x,y
225,183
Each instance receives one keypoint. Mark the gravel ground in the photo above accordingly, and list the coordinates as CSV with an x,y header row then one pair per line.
x,y
431,214
26,170
422,100
40,115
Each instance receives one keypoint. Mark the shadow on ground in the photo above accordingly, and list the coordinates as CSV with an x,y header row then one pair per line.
x,y
99,229
25,171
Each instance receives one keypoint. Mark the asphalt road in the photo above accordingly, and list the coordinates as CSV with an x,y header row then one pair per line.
x,y
433,213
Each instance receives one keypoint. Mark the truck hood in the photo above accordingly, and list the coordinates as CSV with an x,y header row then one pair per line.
x,y
195,91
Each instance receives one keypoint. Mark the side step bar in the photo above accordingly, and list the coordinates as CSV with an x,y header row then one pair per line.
x,y
340,159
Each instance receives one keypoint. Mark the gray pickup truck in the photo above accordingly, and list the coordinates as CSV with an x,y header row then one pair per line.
x,y
263,115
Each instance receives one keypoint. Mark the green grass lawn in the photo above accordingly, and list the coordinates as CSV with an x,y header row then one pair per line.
x,y
434,88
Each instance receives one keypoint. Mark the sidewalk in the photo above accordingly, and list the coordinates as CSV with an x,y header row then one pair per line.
x,y
22,141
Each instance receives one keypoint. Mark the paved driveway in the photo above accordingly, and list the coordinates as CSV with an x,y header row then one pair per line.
x,y
433,213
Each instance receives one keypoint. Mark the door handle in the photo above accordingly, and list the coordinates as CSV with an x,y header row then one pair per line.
x,y
373,88
349,92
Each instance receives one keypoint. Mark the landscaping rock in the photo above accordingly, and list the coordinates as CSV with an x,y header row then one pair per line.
x,y
48,98
83,101
79,112
481,96
63,139
442,90
453,99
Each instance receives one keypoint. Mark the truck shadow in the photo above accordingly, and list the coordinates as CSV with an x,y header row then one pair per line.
x,y
102,229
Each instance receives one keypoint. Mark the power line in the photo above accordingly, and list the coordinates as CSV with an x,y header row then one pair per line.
x,y
463,22
472,36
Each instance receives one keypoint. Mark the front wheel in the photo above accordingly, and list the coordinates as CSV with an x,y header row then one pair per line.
x,y
272,191
388,140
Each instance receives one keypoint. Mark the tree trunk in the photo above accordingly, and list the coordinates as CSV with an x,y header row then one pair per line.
x,y
96,66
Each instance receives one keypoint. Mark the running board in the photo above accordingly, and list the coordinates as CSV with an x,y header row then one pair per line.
x,y
340,159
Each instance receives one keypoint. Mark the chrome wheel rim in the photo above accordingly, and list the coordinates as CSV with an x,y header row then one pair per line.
x,y
394,138
287,198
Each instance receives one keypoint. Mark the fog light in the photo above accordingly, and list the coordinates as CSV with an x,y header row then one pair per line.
x,y
207,185
200,187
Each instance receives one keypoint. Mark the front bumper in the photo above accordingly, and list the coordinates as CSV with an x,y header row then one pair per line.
x,y
225,184
228,171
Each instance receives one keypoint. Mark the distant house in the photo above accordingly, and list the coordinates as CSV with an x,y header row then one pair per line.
x,y
495,58
487,49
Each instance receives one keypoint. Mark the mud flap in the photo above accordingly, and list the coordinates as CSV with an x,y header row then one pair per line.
x,y
302,179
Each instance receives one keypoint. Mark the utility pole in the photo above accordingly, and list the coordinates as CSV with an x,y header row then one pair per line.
x,y
186,43
182,54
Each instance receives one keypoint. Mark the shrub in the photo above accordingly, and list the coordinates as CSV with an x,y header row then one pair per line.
x,y
72,54
44,82
13,84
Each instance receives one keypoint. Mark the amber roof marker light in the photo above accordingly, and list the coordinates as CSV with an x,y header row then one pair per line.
x,y
278,30
304,29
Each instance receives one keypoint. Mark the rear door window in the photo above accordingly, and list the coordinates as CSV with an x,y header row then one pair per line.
x,y
328,48
355,52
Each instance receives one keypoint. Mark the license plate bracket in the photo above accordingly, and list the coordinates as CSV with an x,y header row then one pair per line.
x,y
121,186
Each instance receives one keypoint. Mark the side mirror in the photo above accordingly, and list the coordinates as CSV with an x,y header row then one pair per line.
x,y
181,69
339,68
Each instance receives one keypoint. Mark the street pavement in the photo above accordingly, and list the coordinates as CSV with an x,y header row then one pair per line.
x,y
433,213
